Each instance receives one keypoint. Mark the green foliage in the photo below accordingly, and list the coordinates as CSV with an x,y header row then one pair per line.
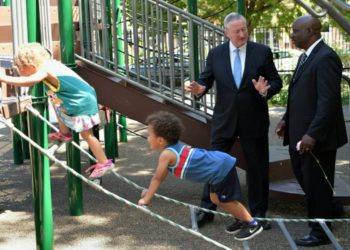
x,y
259,13
345,92
281,98
344,56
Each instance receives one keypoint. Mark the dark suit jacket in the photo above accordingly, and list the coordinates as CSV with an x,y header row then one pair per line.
x,y
314,101
244,110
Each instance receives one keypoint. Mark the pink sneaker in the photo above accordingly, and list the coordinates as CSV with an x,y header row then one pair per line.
x,y
58,136
99,169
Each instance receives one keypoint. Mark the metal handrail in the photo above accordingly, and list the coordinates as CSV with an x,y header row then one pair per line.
x,y
342,4
331,11
310,10
134,83
158,49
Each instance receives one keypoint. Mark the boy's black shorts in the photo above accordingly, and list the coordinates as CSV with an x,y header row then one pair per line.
x,y
229,189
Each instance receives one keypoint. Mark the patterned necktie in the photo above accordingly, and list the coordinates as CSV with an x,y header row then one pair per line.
x,y
237,74
303,58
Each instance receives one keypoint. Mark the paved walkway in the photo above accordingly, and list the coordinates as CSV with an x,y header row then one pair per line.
x,y
110,224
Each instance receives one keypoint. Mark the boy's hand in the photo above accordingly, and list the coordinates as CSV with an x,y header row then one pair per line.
x,y
142,202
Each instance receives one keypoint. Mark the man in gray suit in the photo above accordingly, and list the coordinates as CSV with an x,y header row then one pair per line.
x,y
245,78
314,117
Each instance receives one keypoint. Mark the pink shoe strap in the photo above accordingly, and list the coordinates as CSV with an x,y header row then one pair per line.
x,y
59,135
91,168
98,166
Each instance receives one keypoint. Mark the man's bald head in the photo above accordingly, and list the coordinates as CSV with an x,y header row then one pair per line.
x,y
306,30
310,22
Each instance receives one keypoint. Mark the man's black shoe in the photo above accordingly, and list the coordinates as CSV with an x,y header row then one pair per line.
x,y
312,241
203,218
265,225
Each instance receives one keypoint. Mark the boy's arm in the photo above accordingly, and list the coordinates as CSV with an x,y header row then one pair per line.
x,y
23,81
161,172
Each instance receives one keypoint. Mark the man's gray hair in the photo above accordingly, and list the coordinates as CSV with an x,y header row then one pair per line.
x,y
233,17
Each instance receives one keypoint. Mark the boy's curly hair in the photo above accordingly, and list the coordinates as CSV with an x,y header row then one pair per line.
x,y
31,53
166,125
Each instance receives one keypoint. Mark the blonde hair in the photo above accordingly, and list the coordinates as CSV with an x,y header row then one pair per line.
x,y
31,54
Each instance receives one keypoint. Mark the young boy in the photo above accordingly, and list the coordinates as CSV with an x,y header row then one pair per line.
x,y
213,167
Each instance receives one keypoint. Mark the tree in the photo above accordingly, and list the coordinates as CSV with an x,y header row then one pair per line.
x,y
259,13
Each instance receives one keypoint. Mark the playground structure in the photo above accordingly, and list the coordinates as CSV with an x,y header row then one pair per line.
x,y
105,62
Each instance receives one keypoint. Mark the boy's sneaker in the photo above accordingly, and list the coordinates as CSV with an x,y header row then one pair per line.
x,y
58,136
99,169
234,227
249,231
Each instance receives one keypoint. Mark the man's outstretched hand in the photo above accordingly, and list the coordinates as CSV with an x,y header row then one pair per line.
x,y
261,85
194,87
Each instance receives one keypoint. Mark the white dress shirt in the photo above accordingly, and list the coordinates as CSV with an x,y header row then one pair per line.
x,y
309,50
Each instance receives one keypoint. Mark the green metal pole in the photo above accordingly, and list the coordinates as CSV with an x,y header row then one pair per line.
x,y
122,130
65,15
41,184
109,29
110,137
74,184
121,63
116,153
40,163
110,129
192,8
120,44
241,7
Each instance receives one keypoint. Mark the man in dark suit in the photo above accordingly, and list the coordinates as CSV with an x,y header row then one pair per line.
x,y
246,78
314,117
